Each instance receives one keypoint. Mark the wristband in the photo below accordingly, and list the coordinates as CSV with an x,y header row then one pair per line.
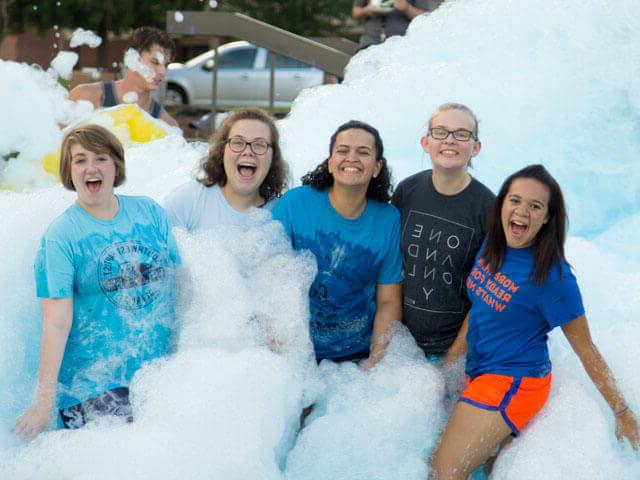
x,y
621,411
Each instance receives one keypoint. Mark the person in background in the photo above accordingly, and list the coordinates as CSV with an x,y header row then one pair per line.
x,y
444,219
383,19
104,273
155,50
341,215
244,169
521,288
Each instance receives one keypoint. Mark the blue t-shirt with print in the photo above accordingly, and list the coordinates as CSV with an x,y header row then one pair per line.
x,y
120,275
511,316
353,257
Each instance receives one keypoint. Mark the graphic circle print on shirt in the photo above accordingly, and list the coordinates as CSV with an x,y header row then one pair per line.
x,y
128,273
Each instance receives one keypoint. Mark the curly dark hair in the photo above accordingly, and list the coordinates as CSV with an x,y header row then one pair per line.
x,y
213,164
548,246
144,38
379,188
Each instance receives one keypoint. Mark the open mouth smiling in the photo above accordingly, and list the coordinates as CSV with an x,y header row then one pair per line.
x,y
93,184
247,170
517,228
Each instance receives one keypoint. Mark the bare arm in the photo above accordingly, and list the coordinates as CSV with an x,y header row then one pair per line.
x,y
459,346
91,92
362,13
56,323
388,311
409,10
165,117
577,332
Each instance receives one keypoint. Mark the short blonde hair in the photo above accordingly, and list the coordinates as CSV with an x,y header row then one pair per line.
x,y
456,106
96,139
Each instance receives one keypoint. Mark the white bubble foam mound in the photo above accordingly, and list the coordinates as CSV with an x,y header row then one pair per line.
x,y
541,77
246,286
26,89
186,426
373,424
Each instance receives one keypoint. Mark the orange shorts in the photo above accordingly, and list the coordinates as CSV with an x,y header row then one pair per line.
x,y
518,399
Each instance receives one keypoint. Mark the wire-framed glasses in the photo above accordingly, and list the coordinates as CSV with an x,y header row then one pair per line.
x,y
238,144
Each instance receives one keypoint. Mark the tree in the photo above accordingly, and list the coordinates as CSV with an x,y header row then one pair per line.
x,y
311,18
101,16
304,17
4,17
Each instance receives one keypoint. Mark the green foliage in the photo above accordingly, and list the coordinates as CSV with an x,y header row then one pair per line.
x,y
119,15
305,17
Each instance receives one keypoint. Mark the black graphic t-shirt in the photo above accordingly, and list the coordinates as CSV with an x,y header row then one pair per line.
x,y
441,236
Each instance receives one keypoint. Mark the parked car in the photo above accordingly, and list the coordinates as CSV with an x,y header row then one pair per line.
x,y
243,78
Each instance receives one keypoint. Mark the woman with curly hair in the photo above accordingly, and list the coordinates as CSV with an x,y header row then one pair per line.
x,y
341,213
244,169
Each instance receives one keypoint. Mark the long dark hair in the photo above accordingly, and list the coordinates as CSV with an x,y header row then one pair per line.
x,y
213,164
548,246
379,188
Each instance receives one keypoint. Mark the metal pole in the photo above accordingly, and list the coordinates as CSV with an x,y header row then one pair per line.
x,y
214,84
272,81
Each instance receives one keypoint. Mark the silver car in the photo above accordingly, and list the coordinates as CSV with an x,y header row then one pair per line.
x,y
243,78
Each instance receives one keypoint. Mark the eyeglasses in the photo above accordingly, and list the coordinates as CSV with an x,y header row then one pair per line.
x,y
461,134
238,144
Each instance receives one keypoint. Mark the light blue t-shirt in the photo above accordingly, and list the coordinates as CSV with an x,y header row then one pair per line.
x,y
120,275
194,206
511,315
353,257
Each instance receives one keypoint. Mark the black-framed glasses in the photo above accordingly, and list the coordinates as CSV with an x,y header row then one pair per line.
x,y
461,134
238,144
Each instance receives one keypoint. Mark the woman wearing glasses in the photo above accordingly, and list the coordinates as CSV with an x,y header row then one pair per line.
x,y
443,213
244,169
342,216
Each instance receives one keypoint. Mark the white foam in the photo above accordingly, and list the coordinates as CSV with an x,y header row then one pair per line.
x,y
63,64
81,36
130,97
133,62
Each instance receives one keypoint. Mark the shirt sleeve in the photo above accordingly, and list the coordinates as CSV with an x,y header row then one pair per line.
x,y
282,213
428,5
391,267
164,224
54,269
396,199
179,205
562,301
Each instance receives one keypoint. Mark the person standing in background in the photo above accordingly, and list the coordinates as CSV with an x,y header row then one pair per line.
x,y
385,18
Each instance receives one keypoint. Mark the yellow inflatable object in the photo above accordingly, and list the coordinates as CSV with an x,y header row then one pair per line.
x,y
141,128
51,163
130,124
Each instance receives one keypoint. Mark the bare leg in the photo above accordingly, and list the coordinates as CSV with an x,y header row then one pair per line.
x,y
488,465
471,436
